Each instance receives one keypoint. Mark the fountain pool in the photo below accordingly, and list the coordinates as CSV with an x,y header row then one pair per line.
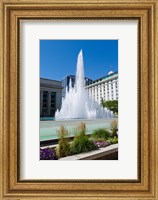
x,y
77,107
48,129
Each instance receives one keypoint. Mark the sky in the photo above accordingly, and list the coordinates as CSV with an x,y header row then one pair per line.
x,y
58,58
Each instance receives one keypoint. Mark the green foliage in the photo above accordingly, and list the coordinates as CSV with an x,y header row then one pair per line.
x,y
81,128
111,105
114,128
81,142
100,133
113,140
63,147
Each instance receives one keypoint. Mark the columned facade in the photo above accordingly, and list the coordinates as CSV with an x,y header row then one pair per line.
x,y
105,88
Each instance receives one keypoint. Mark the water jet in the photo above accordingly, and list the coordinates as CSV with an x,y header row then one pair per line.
x,y
77,104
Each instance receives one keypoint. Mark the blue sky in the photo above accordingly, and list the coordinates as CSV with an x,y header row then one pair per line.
x,y
58,58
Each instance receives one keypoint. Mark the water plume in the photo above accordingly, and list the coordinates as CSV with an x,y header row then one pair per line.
x,y
77,104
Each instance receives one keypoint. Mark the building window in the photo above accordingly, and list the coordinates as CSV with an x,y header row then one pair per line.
x,y
53,99
44,104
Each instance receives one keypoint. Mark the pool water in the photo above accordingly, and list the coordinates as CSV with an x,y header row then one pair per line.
x,y
46,118
49,129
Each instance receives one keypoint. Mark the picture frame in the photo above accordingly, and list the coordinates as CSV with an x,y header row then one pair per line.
x,y
11,185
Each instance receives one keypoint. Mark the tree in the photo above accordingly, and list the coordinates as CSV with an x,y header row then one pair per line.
x,y
111,105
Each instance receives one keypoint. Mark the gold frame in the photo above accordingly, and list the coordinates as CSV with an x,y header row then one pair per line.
x,y
146,187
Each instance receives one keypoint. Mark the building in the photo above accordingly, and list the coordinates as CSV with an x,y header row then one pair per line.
x,y
66,82
50,96
105,88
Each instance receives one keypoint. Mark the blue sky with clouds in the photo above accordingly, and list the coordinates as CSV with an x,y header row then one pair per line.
x,y
58,58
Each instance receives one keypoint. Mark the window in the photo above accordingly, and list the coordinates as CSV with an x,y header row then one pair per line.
x,y
53,99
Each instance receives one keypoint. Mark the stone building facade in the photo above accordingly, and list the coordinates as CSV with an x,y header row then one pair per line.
x,y
50,97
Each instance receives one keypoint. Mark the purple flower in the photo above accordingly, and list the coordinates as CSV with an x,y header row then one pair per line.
x,y
100,144
48,154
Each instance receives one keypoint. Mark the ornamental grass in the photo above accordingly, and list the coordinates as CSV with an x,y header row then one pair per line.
x,y
114,128
81,142
63,147
101,133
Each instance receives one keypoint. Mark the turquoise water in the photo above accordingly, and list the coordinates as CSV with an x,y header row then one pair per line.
x,y
46,118
49,129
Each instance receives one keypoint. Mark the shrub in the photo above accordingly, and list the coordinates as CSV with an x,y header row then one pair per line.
x,y
114,128
63,147
81,142
48,154
100,133
113,140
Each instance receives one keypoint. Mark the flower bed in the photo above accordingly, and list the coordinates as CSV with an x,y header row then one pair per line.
x,y
80,144
101,143
48,154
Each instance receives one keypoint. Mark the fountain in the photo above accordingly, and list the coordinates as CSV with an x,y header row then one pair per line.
x,y
77,104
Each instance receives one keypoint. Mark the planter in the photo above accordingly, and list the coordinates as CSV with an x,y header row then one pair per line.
x,y
106,153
